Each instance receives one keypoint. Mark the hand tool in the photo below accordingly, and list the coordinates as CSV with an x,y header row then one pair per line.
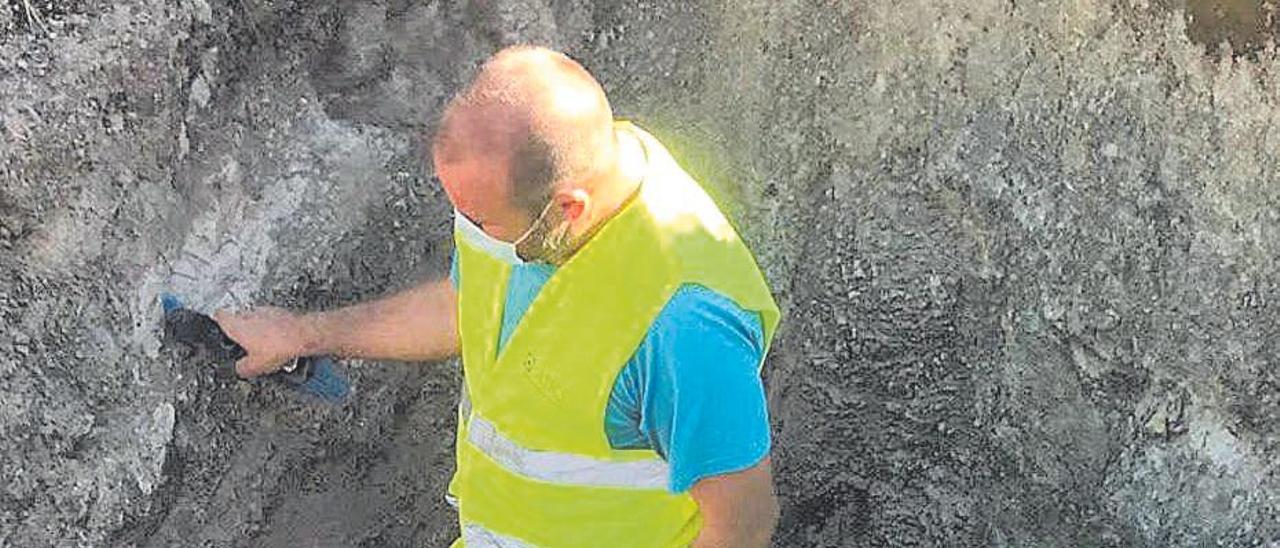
x,y
204,340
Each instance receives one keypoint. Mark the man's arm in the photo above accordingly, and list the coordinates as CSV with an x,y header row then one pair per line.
x,y
419,323
738,509
697,384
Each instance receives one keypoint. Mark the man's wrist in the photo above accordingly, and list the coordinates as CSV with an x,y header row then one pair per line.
x,y
311,335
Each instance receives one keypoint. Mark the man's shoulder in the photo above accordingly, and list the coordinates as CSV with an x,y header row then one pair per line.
x,y
695,311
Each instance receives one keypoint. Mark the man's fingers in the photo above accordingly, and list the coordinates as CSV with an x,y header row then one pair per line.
x,y
227,321
247,367
259,333
223,318
252,366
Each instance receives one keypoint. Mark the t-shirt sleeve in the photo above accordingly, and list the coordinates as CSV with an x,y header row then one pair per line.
x,y
453,268
701,400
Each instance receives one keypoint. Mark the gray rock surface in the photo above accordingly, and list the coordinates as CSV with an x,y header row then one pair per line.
x,y
1027,253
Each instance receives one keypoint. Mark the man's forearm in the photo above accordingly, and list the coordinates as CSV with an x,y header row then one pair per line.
x,y
739,535
739,509
417,324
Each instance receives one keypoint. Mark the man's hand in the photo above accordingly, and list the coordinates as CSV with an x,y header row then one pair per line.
x,y
270,337
417,324
738,509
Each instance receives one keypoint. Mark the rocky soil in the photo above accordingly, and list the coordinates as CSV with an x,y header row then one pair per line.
x,y
1027,253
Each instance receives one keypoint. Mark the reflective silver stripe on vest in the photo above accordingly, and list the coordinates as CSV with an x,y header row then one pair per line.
x,y
464,401
476,536
563,467
464,409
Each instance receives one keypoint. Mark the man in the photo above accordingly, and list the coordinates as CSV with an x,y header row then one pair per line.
x,y
611,326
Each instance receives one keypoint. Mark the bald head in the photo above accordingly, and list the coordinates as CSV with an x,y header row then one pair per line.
x,y
531,120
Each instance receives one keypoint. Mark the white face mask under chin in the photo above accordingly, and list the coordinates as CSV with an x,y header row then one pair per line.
x,y
498,249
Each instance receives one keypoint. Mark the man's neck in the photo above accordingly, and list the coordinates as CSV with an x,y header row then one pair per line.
x,y
616,192
613,192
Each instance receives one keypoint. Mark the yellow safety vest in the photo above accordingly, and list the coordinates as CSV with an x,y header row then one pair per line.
x,y
535,467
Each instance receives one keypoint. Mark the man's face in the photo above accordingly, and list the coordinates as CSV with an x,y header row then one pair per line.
x,y
478,190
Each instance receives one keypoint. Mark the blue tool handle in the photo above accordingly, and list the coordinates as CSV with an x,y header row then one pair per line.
x,y
318,376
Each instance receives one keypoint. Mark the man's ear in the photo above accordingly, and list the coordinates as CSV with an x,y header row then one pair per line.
x,y
574,203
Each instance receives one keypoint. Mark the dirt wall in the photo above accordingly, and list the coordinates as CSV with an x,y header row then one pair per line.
x,y
1027,254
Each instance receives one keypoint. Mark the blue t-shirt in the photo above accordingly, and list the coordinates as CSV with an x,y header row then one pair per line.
x,y
692,390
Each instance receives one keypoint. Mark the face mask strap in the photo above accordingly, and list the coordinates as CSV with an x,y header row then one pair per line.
x,y
535,224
